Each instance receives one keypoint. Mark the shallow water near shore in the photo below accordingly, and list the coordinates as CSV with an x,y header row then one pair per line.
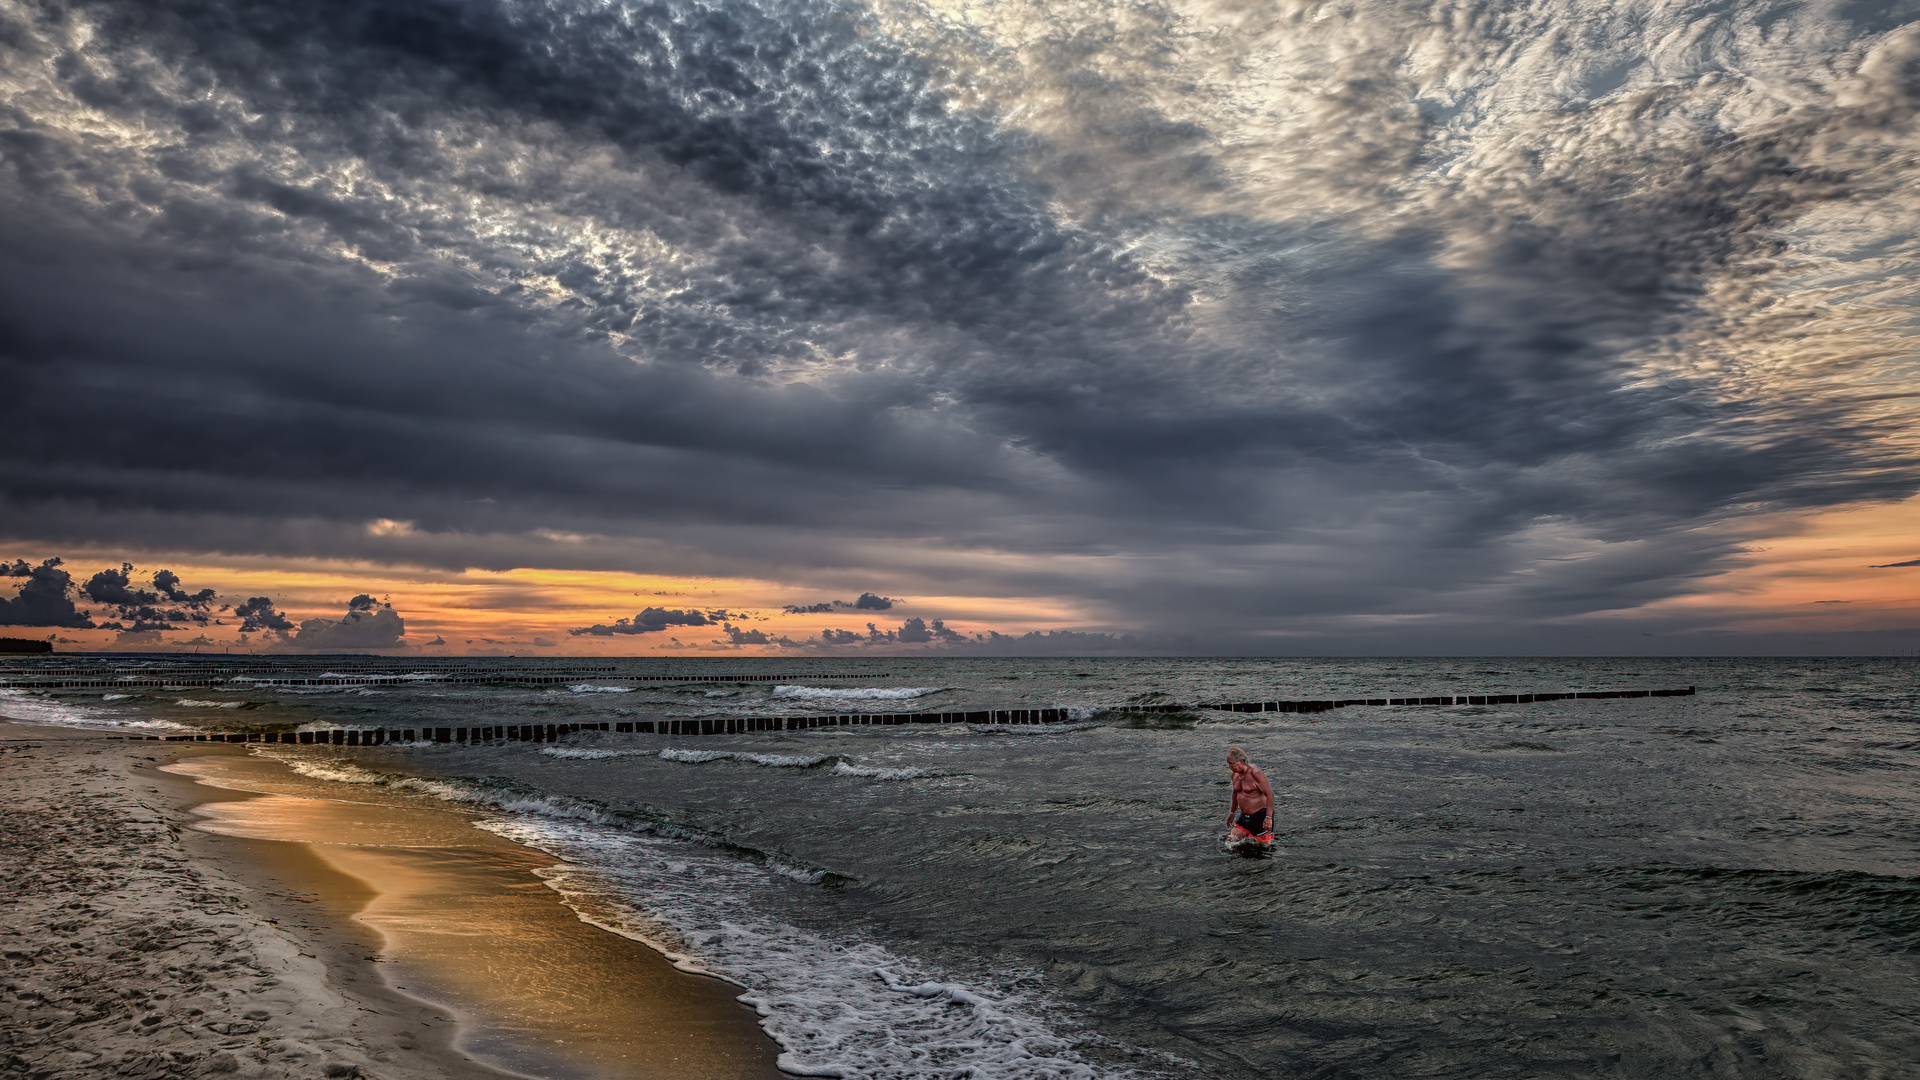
x,y
1706,886
467,924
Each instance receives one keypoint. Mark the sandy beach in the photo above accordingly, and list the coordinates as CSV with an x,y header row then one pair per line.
x,y
155,926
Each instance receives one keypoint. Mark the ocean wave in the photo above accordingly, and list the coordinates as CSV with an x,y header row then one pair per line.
x,y
855,693
875,772
590,688
837,1006
512,798
454,790
841,765
25,705
572,753
195,703
774,761
350,691
801,874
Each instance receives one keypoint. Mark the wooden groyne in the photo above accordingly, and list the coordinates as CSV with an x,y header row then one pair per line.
x,y
741,725
1443,699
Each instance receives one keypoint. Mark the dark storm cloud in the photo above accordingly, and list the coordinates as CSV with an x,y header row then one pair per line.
x,y
737,636
937,637
753,290
43,600
866,601
367,624
168,583
257,615
916,630
648,621
143,607
111,586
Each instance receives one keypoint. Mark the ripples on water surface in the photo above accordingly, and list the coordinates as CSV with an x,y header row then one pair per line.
x,y
1715,886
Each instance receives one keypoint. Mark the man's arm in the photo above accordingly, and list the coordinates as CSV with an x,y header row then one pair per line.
x,y
1266,789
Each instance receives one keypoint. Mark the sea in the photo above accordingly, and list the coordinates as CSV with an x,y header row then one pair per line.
x,y
1720,885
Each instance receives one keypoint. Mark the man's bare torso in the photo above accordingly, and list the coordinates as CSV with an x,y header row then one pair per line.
x,y
1251,792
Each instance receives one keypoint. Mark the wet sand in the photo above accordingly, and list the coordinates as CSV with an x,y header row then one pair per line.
x,y
158,926
463,920
130,951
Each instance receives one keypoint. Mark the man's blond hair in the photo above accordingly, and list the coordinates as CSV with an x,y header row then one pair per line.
x,y
1234,753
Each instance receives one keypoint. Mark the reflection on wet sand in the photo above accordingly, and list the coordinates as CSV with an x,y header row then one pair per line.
x,y
467,923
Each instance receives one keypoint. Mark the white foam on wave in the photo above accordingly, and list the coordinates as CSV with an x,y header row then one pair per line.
x,y
462,792
838,1007
841,766
278,688
573,753
801,874
694,757
195,703
590,688
27,706
855,693
876,772
773,761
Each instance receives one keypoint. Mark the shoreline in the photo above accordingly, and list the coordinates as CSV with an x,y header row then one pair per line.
x,y
130,949
142,934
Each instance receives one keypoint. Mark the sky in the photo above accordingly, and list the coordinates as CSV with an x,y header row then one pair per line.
x,y
802,327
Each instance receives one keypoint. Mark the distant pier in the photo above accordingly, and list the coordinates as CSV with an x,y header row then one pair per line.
x,y
741,725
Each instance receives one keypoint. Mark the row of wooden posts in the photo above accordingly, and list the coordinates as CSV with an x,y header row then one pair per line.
x,y
730,725
739,725
1443,699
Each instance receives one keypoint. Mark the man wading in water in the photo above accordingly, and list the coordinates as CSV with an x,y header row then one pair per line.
x,y
1251,814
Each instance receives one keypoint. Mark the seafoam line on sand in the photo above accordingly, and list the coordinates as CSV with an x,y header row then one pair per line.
x,y
838,1007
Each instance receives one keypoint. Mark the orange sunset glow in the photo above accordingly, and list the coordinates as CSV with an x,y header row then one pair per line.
x,y
1828,572
533,612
